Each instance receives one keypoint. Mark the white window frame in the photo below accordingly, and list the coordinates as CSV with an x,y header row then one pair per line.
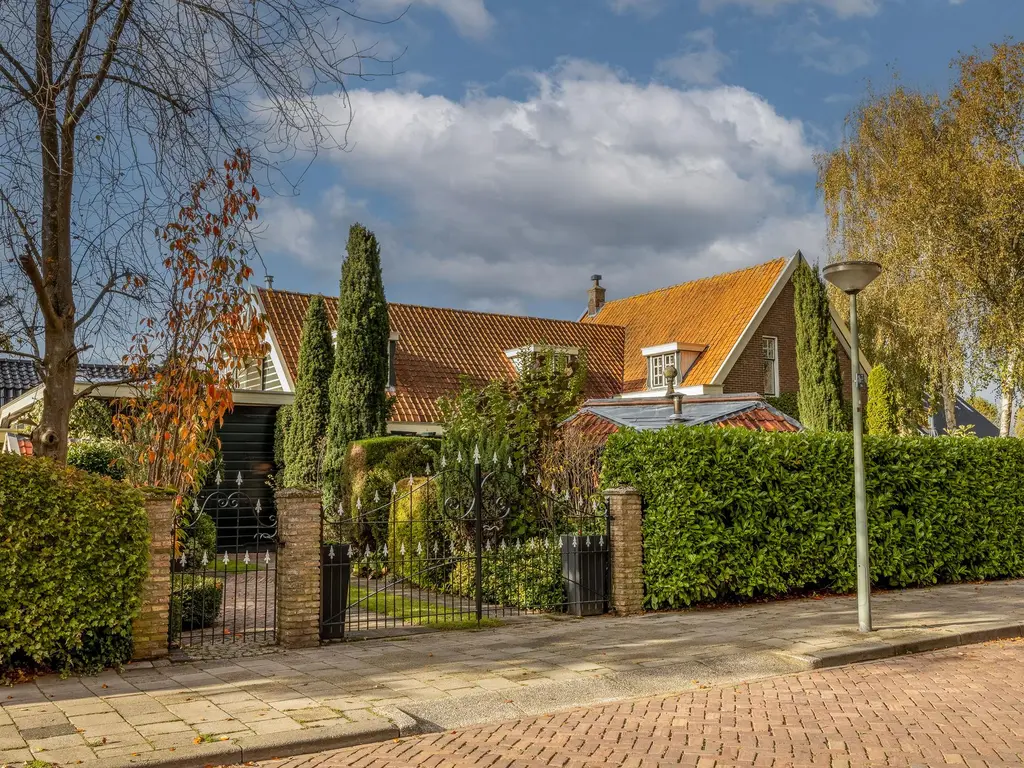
x,y
656,365
774,344
521,355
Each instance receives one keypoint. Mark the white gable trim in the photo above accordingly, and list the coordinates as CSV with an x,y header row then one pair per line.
x,y
842,333
755,321
275,352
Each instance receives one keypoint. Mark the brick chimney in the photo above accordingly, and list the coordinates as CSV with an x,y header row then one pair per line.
x,y
596,296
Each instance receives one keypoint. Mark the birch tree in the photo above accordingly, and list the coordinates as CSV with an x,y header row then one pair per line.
x,y
888,199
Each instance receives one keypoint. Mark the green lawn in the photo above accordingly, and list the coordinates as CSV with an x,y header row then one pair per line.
x,y
414,611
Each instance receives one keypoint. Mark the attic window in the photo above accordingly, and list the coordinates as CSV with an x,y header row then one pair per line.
x,y
522,356
676,353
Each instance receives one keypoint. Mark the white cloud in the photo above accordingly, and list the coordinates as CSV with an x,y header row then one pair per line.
x,y
506,201
413,81
841,8
643,7
470,17
699,63
833,55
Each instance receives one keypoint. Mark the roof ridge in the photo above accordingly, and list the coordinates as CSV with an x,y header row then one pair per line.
x,y
444,309
698,280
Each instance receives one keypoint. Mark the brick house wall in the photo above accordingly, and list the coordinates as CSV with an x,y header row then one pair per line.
x,y
780,322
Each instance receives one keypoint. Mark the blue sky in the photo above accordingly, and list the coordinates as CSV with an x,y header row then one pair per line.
x,y
528,144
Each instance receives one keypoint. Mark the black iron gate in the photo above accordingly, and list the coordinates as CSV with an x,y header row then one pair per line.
x,y
458,547
223,570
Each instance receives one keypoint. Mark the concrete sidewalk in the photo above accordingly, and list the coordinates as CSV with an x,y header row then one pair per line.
x,y
253,708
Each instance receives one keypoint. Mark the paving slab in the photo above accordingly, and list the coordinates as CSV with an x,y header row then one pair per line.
x,y
202,712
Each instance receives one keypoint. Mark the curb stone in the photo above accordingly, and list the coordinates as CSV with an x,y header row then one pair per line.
x,y
287,743
191,756
853,654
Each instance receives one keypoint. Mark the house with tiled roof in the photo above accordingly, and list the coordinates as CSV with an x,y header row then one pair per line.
x,y
729,334
726,334
432,348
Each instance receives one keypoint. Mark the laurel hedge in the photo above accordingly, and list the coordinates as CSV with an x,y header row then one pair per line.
x,y
733,514
73,553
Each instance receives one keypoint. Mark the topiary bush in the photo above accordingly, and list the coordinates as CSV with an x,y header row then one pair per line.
x,y
103,457
73,556
734,514
373,467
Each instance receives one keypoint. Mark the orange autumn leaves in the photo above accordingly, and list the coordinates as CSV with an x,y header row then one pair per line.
x,y
189,352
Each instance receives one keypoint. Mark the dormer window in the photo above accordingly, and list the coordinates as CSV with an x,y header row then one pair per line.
x,y
530,355
678,354
656,365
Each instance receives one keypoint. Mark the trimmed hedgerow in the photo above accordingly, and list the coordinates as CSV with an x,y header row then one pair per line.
x,y
73,554
103,456
735,514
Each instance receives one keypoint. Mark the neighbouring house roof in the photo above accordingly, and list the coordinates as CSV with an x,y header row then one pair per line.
x,y
436,346
714,311
603,417
18,375
965,414
20,444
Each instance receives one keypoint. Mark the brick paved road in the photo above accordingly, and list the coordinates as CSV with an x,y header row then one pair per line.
x,y
962,707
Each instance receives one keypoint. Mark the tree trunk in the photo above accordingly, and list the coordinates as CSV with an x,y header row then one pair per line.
x,y
1007,387
52,275
948,402
50,437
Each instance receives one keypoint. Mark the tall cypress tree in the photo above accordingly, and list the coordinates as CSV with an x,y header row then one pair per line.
x,y
883,412
820,398
359,398
307,426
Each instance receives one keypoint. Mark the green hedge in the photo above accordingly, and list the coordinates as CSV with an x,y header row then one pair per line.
x,y
733,514
372,467
104,457
73,554
195,602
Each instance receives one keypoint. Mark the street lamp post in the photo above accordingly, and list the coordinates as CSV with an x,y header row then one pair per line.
x,y
852,277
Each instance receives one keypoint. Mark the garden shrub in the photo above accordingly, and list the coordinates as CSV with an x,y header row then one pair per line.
x,y
733,514
525,576
528,576
409,530
73,556
197,538
195,602
103,457
374,466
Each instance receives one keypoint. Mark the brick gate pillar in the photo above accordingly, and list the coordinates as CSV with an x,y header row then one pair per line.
x,y
627,550
298,568
150,627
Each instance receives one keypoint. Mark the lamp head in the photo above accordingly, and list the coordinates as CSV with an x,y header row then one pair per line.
x,y
852,277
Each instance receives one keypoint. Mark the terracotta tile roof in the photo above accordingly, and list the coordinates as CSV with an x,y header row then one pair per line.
x,y
17,444
712,311
436,346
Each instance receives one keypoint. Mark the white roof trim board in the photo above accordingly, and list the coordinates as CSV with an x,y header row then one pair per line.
x,y
755,322
275,354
